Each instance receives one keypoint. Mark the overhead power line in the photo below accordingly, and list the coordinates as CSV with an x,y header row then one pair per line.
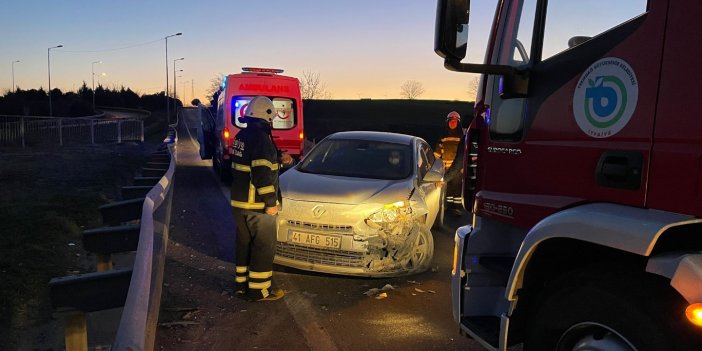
x,y
112,49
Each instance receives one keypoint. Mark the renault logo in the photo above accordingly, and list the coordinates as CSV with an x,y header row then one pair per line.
x,y
318,211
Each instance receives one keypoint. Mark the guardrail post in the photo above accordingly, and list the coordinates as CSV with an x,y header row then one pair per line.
x,y
141,123
60,130
76,332
103,262
92,131
119,131
22,131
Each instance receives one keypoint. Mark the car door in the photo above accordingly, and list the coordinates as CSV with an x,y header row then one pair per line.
x,y
430,192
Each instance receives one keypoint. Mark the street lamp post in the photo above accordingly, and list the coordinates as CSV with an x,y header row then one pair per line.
x,y
174,82
168,112
48,60
14,87
92,64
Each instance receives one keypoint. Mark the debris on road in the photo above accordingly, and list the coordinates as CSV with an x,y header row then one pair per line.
x,y
375,291
424,291
381,296
414,282
435,269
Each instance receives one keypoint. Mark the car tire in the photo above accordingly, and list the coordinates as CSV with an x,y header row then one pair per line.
x,y
422,252
439,221
613,311
222,167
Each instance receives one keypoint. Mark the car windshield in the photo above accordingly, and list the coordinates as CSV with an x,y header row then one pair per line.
x,y
359,158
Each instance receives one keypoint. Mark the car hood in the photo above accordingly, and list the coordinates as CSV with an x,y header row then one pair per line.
x,y
301,186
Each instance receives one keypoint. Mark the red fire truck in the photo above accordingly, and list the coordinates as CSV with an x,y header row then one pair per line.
x,y
583,172
236,92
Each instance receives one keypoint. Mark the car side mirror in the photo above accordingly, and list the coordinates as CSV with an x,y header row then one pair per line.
x,y
436,173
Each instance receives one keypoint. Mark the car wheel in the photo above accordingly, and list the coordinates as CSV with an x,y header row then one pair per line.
x,y
439,221
603,311
421,253
222,167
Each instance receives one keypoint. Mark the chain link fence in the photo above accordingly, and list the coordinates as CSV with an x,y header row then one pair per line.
x,y
29,131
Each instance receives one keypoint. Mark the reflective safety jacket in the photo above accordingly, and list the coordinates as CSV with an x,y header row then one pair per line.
x,y
447,148
254,168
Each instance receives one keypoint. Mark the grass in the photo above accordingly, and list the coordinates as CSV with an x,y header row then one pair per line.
x,y
47,198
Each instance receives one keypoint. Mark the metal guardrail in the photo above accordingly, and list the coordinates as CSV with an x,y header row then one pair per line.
x,y
137,289
32,131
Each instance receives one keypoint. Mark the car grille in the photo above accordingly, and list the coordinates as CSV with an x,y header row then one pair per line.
x,y
330,257
341,229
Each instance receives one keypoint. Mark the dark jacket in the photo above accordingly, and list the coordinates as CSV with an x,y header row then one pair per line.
x,y
254,168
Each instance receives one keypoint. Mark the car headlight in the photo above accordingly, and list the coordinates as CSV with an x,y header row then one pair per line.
x,y
390,213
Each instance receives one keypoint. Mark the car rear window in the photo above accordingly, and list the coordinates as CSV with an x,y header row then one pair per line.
x,y
359,158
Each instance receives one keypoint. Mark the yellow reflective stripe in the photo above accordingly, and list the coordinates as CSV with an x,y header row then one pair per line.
x,y
240,279
242,269
248,205
451,139
264,285
266,190
264,163
260,275
252,193
240,167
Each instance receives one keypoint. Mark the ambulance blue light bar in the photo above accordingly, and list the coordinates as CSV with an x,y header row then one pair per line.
x,y
262,70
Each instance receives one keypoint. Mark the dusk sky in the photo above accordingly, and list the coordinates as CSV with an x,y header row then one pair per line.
x,y
359,48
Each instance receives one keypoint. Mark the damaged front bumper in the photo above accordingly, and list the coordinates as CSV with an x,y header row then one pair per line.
x,y
372,247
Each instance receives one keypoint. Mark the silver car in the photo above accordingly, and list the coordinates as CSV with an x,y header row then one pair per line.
x,y
361,203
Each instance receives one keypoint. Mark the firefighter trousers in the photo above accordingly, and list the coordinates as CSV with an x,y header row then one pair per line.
x,y
255,248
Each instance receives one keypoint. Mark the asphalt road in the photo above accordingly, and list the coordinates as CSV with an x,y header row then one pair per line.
x,y
319,312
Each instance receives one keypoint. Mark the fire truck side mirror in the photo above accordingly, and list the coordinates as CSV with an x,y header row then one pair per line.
x,y
451,35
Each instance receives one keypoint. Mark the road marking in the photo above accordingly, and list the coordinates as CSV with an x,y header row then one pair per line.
x,y
301,310
196,144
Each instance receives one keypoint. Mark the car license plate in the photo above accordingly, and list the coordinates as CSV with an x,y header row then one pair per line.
x,y
329,241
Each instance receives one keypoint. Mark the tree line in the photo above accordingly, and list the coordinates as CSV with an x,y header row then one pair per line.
x,y
35,102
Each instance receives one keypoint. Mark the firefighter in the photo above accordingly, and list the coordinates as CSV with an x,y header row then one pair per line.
x,y
254,201
449,149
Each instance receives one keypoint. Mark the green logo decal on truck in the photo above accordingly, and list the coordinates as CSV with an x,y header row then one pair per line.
x,y
605,97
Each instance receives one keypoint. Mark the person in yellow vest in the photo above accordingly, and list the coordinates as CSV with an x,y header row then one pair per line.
x,y
449,149
254,201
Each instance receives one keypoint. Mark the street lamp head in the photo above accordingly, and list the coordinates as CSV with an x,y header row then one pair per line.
x,y
17,61
179,33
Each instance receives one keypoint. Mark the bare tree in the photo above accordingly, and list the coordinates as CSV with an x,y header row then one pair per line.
x,y
411,89
311,87
215,84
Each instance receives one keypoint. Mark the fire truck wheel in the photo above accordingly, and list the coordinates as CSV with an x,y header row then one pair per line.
x,y
591,310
